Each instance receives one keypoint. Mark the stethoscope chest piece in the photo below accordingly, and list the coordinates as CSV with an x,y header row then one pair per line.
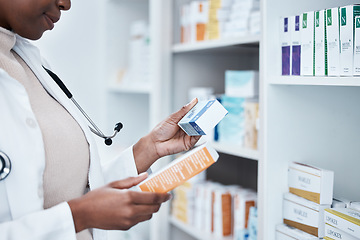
x,y
5,166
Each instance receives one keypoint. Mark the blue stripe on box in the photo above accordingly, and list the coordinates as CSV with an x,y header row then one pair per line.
x,y
201,112
197,128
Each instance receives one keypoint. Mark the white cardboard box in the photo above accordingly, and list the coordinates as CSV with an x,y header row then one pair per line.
x,y
345,219
333,41
320,43
285,232
307,44
202,118
336,234
347,16
312,183
285,40
295,44
357,47
243,84
304,214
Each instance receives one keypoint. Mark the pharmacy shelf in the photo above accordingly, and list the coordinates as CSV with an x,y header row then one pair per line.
x,y
317,81
236,150
140,89
195,233
213,44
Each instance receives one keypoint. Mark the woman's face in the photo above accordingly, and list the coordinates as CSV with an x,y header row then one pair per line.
x,y
31,18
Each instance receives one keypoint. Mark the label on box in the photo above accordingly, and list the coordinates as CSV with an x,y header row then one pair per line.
x,y
295,45
333,41
311,183
307,44
320,43
285,46
337,234
180,170
303,214
345,219
357,47
347,16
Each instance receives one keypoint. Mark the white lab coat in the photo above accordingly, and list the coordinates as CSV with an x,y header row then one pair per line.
x,y
21,194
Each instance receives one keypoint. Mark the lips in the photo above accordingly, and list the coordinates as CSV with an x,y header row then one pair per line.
x,y
51,20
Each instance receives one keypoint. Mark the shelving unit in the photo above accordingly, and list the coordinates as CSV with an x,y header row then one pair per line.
x,y
317,81
236,150
307,119
193,232
129,89
212,44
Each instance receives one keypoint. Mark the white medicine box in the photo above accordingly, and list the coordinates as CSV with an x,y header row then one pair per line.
x,y
333,41
347,21
310,182
357,47
202,118
304,214
307,44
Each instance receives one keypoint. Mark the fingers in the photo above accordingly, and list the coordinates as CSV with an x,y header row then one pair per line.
x,y
129,182
147,198
177,116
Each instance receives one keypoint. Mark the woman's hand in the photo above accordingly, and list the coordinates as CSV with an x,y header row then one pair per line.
x,y
165,139
114,207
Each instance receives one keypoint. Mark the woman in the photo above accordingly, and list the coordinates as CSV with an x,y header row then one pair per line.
x,y
54,158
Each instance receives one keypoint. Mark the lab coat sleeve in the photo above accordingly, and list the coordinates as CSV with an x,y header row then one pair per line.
x,y
55,223
121,167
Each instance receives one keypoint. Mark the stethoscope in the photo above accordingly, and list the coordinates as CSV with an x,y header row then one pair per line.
x,y
95,129
5,163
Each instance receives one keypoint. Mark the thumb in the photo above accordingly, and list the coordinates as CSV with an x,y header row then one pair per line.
x,y
177,116
129,182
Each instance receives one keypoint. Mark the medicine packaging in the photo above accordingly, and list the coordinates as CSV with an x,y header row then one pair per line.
x,y
285,232
307,44
336,234
303,214
344,219
312,183
202,118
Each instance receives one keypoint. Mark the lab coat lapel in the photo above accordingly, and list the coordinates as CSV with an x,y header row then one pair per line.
x,y
31,55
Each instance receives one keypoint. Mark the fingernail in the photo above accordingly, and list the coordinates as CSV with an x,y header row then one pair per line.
x,y
192,101
142,174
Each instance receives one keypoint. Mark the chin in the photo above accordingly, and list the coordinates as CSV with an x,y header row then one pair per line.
x,y
31,35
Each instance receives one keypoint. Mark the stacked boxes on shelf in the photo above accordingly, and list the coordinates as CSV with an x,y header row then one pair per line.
x,y
240,126
216,209
310,193
306,208
322,43
216,19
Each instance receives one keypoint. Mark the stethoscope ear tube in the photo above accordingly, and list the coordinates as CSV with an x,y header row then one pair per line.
x,y
5,166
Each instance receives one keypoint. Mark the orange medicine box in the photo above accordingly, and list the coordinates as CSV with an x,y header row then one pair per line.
x,y
180,170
